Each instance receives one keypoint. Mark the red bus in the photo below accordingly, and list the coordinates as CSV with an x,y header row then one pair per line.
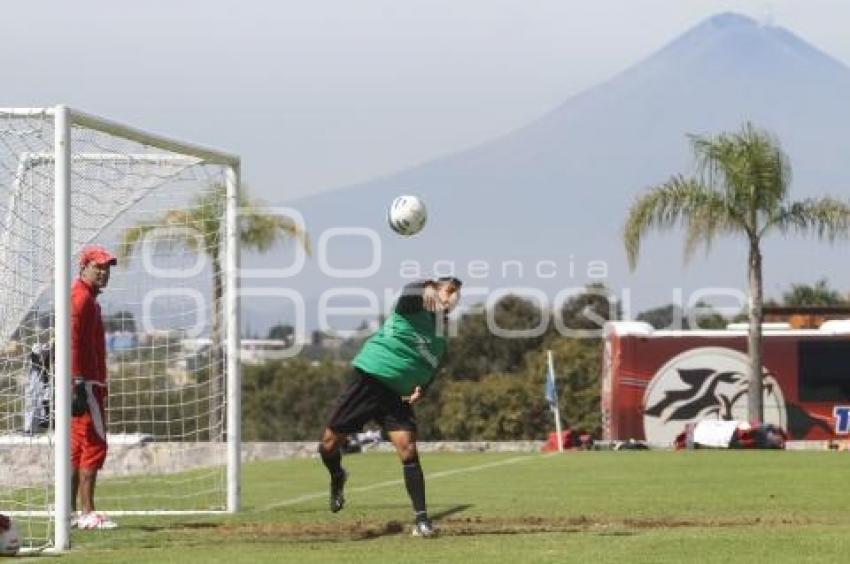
x,y
654,382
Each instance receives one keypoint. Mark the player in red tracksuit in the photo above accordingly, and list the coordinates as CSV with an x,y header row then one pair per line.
x,y
88,370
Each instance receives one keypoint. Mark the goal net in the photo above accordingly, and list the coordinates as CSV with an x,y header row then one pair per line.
x,y
167,211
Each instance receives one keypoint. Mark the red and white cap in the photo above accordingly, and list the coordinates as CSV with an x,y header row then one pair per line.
x,y
98,255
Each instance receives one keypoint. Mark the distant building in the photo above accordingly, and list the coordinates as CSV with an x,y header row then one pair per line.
x,y
805,317
259,351
327,340
252,351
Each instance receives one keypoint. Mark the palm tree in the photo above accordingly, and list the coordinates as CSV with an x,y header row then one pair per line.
x,y
199,228
741,188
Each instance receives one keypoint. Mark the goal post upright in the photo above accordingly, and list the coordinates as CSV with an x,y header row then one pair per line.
x,y
62,304
232,345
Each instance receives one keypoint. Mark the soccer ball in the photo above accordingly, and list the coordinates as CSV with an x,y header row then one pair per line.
x,y
407,215
10,540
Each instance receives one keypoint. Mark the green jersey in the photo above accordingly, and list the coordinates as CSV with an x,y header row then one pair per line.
x,y
406,351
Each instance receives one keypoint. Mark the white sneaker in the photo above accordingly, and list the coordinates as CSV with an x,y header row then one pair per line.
x,y
424,528
75,519
94,520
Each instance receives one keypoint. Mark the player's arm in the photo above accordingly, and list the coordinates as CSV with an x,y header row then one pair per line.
x,y
419,391
414,397
80,326
418,296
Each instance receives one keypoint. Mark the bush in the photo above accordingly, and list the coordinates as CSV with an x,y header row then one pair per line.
x,y
290,400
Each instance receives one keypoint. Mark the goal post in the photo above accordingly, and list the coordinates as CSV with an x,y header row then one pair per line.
x,y
169,210
62,327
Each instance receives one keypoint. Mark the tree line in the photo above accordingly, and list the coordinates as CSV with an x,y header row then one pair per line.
x,y
490,388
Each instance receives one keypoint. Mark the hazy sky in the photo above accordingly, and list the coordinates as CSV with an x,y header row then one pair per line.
x,y
316,95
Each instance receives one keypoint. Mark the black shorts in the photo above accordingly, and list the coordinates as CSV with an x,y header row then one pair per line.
x,y
366,399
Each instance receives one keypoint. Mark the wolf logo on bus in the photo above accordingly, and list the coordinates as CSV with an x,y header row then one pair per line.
x,y
704,383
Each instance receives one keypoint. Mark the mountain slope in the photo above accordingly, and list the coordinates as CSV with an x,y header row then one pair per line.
x,y
558,189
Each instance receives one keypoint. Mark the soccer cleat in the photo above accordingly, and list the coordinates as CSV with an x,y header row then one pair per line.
x,y
424,528
75,519
337,489
96,521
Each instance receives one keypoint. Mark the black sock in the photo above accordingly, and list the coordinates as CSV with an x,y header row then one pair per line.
x,y
414,481
332,461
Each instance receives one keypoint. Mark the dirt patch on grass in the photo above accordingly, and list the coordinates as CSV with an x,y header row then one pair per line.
x,y
351,530
584,524
465,526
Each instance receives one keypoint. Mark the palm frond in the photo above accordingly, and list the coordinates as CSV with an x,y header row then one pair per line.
x,y
198,227
174,227
826,218
717,160
749,166
131,237
713,217
680,200
260,231
767,170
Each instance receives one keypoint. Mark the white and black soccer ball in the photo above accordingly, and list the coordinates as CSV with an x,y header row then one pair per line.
x,y
407,215
10,539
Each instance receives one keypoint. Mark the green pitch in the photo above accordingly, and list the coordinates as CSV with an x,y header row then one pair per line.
x,y
582,507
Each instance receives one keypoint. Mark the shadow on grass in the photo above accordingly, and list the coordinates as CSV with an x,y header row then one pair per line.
x,y
365,507
395,527
450,511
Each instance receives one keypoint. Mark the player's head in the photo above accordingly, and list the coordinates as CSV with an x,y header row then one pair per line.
x,y
95,262
448,288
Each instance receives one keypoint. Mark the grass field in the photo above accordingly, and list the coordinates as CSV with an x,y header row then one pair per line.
x,y
703,506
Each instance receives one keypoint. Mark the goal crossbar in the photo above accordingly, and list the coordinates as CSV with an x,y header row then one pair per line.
x,y
91,121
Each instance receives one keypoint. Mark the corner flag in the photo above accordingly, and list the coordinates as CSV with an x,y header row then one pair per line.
x,y
551,392
552,398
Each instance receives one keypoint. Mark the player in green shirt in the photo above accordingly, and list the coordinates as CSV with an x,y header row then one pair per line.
x,y
389,375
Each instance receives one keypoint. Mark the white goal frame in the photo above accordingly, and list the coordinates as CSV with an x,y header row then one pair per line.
x,y
62,157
